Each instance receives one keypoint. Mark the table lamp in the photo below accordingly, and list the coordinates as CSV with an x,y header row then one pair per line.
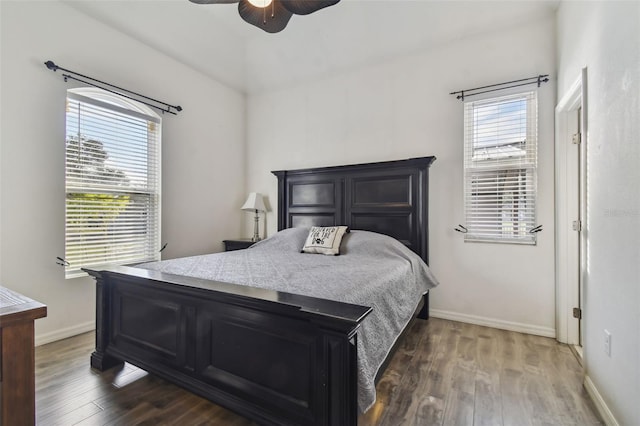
x,y
255,203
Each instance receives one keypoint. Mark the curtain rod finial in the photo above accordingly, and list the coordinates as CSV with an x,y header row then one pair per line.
x,y
51,65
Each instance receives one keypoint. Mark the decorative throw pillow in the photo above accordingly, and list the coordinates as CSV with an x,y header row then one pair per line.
x,y
325,239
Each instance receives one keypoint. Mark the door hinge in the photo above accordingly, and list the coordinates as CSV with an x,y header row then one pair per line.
x,y
577,225
577,313
576,138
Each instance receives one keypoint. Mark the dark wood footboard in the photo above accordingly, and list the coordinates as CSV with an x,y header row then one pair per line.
x,y
274,357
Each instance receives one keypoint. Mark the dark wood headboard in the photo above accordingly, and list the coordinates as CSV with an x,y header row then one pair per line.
x,y
390,197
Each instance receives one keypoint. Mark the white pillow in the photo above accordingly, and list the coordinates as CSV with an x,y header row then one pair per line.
x,y
325,239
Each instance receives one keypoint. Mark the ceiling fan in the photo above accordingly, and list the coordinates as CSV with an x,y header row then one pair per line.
x,y
272,16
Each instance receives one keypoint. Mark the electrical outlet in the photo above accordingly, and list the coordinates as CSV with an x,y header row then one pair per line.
x,y
607,343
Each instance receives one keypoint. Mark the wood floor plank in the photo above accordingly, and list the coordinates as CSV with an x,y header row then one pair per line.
x,y
403,406
434,371
488,404
74,416
513,380
442,373
460,400
63,395
565,378
458,408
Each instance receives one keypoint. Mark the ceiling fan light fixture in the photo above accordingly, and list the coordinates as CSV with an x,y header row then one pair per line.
x,y
255,13
260,3
272,20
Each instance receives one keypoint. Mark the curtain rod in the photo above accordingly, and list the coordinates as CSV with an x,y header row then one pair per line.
x,y
165,107
542,78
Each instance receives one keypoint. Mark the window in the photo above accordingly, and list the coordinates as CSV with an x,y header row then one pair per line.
x,y
112,181
500,161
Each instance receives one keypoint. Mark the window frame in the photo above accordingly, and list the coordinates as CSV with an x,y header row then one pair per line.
x,y
118,105
510,165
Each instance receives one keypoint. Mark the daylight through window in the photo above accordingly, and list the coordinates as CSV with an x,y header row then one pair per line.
x,y
500,161
112,181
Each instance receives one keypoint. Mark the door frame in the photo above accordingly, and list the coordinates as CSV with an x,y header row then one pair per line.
x,y
570,256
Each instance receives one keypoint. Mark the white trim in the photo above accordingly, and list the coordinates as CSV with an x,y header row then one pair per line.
x,y
97,96
567,253
598,401
43,339
494,323
572,98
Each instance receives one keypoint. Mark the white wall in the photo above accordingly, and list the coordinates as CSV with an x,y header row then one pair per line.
x,y
402,109
605,38
203,151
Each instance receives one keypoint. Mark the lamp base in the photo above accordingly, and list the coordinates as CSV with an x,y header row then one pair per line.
x,y
256,232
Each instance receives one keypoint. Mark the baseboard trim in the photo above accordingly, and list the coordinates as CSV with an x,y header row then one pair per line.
x,y
43,339
495,323
601,405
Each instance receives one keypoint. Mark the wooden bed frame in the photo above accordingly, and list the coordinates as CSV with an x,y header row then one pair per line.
x,y
274,357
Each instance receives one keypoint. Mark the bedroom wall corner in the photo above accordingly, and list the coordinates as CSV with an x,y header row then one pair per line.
x,y
604,37
203,150
402,109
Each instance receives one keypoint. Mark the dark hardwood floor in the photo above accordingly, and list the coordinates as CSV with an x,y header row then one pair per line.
x,y
444,373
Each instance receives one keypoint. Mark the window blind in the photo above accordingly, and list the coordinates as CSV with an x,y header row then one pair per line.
x,y
500,162
112,184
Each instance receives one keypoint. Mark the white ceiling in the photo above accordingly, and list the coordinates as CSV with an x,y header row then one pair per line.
x,y
214,40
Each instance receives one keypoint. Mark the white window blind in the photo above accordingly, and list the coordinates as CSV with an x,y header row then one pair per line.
x,y
500,161
112,182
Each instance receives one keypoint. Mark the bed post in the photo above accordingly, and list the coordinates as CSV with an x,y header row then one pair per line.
x,y
99,359
342,377
424,312
282,207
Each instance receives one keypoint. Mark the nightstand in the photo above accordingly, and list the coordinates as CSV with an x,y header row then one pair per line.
x,y
242,243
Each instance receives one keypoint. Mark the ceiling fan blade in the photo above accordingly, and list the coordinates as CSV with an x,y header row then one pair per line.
x,y
272,19
305,7
214,1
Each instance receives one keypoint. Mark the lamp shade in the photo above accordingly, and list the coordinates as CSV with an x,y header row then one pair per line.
x,y
254,202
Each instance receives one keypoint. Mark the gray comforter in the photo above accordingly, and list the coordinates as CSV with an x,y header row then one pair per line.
x,y
372,270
